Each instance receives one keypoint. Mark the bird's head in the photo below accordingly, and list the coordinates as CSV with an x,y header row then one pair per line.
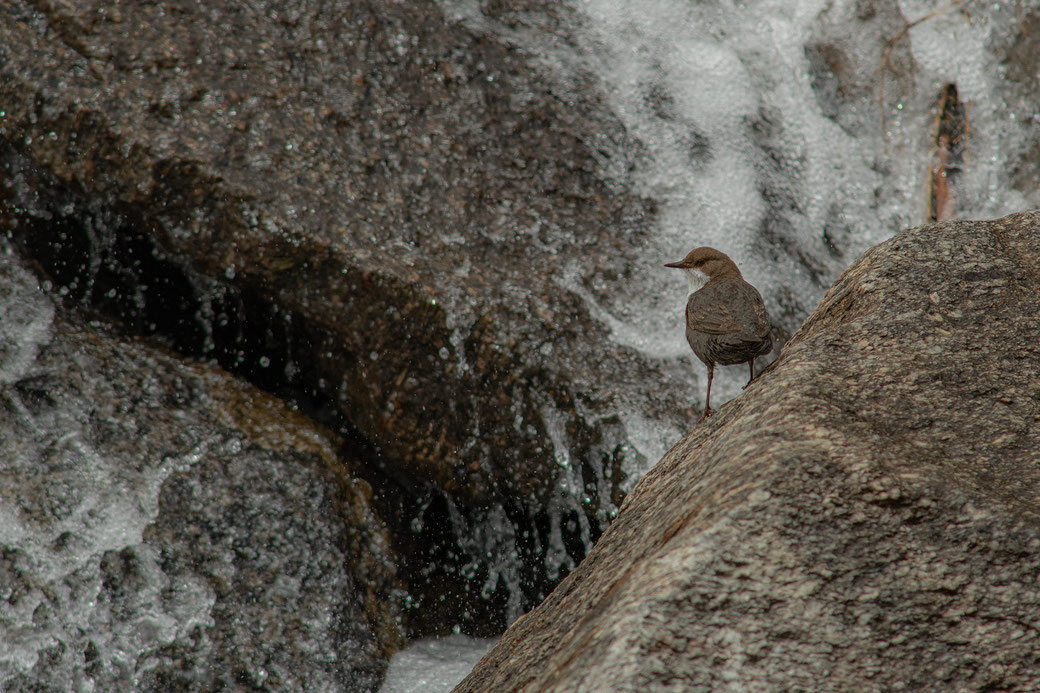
x,y
704,264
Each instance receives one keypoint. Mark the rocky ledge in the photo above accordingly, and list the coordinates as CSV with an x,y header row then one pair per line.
x,y
865,517
165,526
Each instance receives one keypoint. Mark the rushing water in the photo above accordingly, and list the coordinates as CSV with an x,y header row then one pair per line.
x,y
435,665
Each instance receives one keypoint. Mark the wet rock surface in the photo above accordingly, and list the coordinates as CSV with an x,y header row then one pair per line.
x,y
370,211
398,184
164,526
864,517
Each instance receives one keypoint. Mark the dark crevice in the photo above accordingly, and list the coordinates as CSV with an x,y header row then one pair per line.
x,y
103,260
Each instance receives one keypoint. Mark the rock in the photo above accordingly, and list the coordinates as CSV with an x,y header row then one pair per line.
x,y
859,55
382,215
865,517
1021,58
407,194
164,526
389,218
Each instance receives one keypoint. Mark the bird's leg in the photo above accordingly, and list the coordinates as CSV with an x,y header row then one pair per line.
x,y
707,400
752,364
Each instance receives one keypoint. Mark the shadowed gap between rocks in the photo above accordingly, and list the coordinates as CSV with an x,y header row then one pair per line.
x,y
97,258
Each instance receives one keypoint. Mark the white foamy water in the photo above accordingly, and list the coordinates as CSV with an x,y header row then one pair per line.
x,y
435,665
63,505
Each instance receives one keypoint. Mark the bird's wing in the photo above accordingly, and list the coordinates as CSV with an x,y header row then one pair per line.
x,y
728,307
763,323
707,311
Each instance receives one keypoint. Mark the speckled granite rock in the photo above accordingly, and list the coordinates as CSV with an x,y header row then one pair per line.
x,y
865,517
164,526
379,213
405,190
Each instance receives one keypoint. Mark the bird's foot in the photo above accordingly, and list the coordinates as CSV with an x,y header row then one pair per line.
x,y
708,411
747,383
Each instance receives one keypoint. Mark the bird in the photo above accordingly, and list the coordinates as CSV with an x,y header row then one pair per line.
x,y
726,319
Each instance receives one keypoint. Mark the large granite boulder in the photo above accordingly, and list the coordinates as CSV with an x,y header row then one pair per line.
x,y
397,187
865,517
384,216
165,526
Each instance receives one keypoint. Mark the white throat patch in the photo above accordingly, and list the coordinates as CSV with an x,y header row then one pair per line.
x,y
696,278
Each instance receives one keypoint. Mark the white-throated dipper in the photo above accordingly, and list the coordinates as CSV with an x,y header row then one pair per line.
x,y
726,319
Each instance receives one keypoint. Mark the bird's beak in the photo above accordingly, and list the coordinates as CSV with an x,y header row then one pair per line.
x,y
676,265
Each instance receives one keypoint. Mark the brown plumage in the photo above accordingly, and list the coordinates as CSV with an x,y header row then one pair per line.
x,y
726,319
